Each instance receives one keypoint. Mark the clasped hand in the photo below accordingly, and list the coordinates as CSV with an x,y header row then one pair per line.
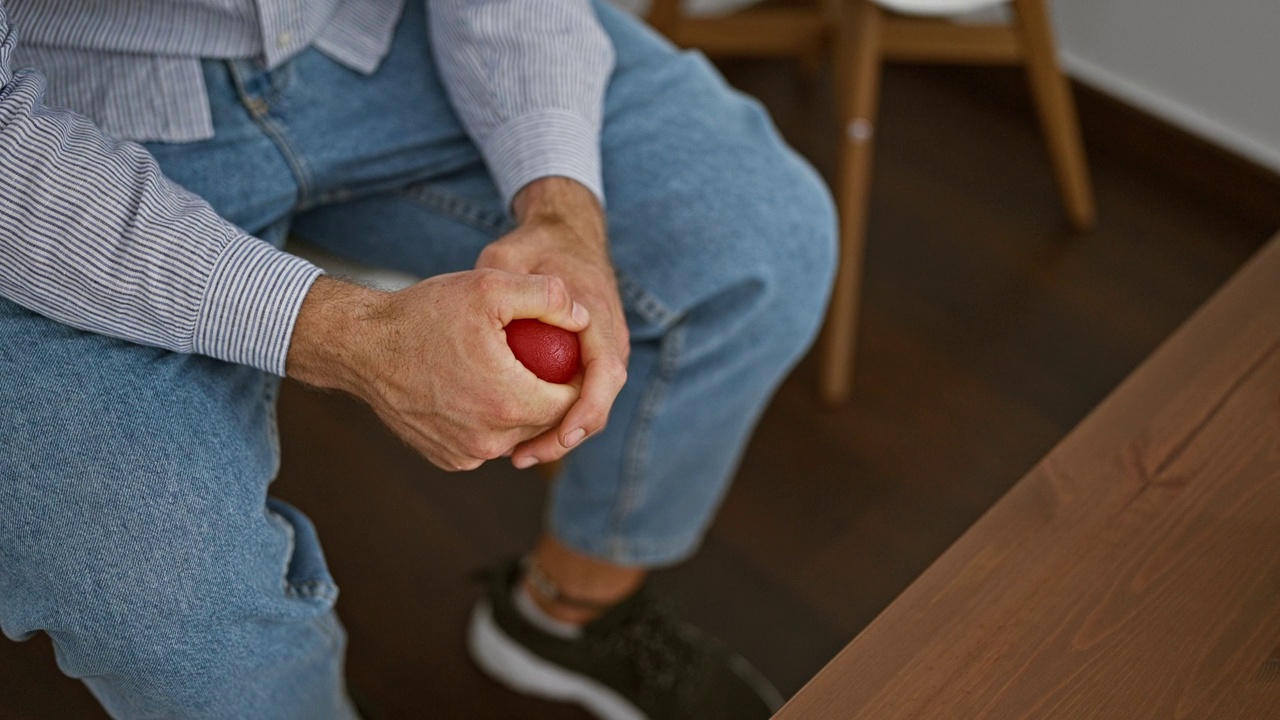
x,y
432,359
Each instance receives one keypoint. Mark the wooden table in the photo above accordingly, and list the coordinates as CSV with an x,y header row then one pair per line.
x,y
1134,573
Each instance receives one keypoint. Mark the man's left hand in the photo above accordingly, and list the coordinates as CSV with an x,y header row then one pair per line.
x,y
562,232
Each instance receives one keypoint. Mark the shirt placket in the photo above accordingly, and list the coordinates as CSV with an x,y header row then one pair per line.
x,y
283,29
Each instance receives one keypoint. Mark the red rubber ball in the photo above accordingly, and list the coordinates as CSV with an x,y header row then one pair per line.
x,y
550,352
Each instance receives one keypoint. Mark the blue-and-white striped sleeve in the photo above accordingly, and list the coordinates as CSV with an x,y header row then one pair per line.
x,y
94,236
542,144
251,303
527,78
8,41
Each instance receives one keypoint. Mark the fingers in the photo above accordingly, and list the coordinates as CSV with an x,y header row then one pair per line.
x,y
539,405
544,448
587,417
605,374
541,297
465,456
466,398
438,453
460,443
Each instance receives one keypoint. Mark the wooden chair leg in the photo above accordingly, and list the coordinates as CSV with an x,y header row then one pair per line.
x,y
1057,110
858,64
815,60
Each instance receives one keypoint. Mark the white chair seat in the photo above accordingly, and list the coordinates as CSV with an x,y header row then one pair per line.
x,y
938,7
366,275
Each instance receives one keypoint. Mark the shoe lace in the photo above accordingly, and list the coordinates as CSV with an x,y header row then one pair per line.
x,y
660,652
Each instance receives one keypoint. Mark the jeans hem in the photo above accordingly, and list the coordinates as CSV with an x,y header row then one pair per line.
x,y
629,552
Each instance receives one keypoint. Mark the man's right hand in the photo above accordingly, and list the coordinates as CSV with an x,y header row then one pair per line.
x,y
432,360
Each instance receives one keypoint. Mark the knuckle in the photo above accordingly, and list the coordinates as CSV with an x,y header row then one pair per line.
x,y
475,448
616,372
488,282
486,446
493,254
507,414
494,449
594,419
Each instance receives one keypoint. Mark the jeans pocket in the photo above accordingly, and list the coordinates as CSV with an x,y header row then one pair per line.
x,y
306,573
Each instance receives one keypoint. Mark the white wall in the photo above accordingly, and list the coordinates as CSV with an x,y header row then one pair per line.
x,y
1209,66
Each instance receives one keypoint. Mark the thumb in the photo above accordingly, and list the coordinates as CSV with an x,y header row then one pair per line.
x,y
541,297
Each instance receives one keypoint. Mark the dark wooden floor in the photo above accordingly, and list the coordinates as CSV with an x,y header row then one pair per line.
x,y
989,331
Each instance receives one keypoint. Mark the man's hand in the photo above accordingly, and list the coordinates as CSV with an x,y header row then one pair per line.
x,y
432,360
562,234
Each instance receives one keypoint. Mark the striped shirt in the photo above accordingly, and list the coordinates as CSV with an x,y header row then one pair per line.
x,y
89,226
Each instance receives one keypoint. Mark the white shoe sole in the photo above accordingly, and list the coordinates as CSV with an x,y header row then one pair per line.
x,y
513,665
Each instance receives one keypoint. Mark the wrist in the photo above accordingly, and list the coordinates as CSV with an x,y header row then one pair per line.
x,y
333,337
560,201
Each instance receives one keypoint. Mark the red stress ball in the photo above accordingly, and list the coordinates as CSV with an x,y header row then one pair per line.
x,y
550,352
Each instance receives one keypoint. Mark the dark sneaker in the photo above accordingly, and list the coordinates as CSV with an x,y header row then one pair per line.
x,y
635,662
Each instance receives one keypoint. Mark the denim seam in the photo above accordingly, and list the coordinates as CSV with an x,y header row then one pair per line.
x,y
629,491
456,207
332,196
311,590
270,390
291,546
642,301
276,131
260,110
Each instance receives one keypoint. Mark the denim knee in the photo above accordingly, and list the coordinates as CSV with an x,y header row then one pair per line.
x,y
136,531
800,216
182,626
711,203
780,220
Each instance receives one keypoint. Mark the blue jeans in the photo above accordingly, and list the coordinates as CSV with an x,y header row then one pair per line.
x,y
135,526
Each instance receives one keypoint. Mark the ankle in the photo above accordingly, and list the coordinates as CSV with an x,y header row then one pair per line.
x,y
527,605
561,604
572,587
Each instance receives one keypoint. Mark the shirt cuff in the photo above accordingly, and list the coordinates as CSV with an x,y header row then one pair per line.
x,y
251,304
544,144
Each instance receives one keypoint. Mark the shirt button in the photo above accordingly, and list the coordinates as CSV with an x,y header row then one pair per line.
x,y
284,38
